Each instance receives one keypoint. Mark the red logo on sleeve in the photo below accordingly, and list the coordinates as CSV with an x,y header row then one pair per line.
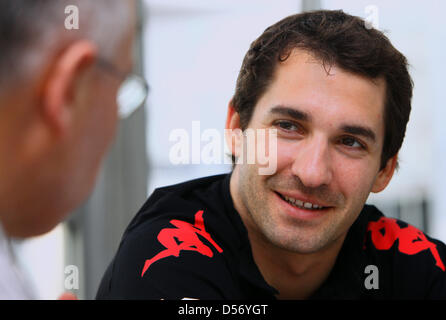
x,y
183,237
410,240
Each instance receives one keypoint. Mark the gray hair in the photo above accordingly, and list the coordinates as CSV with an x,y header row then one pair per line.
x,y
32,30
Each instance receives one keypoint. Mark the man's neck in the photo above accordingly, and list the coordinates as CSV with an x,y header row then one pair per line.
x,y
294,275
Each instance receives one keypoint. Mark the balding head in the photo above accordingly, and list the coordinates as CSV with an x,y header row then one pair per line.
x,y
32,31
58,109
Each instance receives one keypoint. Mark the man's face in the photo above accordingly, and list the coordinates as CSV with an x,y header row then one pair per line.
x,y
93,127
98,121
330,134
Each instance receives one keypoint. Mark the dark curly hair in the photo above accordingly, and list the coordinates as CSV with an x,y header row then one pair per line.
x,y
335,38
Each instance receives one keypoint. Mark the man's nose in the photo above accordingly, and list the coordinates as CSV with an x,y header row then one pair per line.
x,y
312,163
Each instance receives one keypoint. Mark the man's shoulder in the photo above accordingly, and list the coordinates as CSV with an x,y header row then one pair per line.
x,y
179,200
405,256
177,246
197,206
170,235
388,234
169,259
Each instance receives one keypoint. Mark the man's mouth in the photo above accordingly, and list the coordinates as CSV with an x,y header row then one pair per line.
x,y
302,204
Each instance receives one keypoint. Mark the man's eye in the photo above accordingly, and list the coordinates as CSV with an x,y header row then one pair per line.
x,y
288,126
352,142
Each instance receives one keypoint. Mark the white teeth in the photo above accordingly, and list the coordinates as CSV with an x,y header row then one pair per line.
x,y
302,204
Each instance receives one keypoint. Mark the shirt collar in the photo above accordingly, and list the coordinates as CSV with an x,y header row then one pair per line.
x,y
248,270
12,286
346,278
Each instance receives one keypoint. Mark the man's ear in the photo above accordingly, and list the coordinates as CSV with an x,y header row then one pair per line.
x,y
62,81
385,175
233,132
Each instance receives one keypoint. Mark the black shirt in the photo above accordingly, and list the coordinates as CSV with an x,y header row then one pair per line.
x,y
188,241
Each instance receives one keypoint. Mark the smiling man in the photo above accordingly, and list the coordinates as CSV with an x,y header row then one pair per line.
x,y
337,98
330,135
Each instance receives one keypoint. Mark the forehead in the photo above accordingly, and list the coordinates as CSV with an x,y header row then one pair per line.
x,y
329,94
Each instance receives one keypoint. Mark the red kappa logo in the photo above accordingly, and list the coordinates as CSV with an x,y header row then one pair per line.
x,y
410,240
183,237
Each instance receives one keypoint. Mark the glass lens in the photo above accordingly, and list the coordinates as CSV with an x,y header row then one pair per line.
x,y
131,95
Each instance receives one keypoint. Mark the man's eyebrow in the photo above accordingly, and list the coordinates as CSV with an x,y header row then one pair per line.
x,y
304,116
291,112
359,130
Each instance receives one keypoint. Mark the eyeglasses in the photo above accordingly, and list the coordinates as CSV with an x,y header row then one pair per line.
x,y
131,94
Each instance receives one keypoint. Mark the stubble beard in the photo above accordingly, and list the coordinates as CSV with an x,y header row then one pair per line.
x,y
272,227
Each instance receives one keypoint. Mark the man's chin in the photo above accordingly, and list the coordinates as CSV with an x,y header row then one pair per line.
x,y
28,229
302,238
301,246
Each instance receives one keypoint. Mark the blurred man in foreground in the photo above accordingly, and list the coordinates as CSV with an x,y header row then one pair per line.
x,y
58,111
